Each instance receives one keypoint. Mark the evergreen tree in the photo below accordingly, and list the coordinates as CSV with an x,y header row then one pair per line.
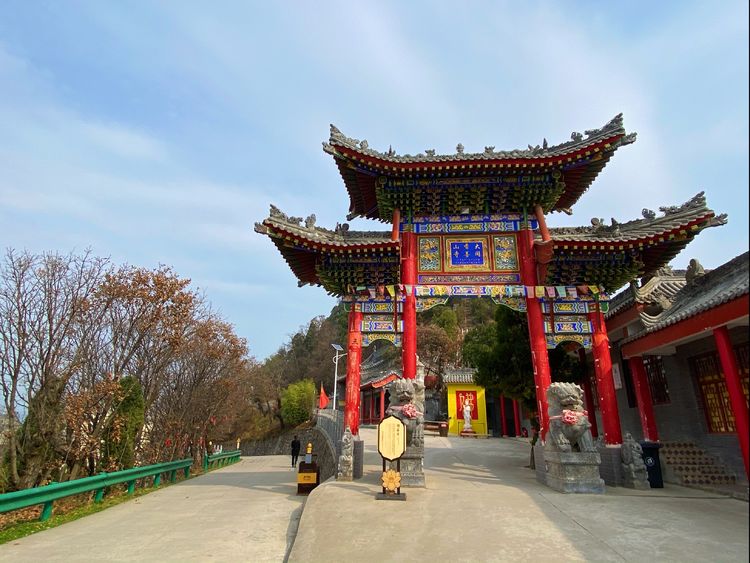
x,y
128,419
501,353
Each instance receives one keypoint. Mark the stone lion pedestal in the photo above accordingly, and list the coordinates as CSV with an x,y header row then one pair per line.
x,y
570,460
573,472
412,470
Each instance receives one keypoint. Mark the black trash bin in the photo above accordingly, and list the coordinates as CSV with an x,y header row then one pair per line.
x,y
653,465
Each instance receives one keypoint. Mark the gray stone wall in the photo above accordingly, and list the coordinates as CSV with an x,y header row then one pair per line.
x,y
611,467
281,444
332,423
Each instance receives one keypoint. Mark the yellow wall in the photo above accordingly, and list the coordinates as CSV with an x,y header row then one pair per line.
x,y
457,418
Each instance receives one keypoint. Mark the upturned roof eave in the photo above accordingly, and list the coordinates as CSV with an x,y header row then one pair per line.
x,y
692,299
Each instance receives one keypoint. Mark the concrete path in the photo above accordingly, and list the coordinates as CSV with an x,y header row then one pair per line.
x,y
481,504
247,511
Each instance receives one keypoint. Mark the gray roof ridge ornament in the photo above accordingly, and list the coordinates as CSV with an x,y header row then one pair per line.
x,y
613,127
694,271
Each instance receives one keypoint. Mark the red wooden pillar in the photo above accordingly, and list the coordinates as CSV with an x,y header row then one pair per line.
x,y
734,387
409,279
382,404
354,354
503,423
643,397
517,417
372,406
605,385
588,395
537,339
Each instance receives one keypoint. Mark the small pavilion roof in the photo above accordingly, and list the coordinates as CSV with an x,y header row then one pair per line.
x,y
555,176
658,289
722,285
459,375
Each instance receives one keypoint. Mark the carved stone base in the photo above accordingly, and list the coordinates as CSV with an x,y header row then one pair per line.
x,y
637,481
412,467
573,472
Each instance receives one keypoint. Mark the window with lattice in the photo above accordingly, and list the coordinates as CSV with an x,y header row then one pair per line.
x,y
657,380
709,375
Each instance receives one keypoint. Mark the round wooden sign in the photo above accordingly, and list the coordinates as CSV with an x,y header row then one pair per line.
x,y
391,438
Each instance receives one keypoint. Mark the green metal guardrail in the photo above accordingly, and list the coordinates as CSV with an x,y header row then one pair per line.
x,y
47,494
222,459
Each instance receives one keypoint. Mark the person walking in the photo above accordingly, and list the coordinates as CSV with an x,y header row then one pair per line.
x,y
295,451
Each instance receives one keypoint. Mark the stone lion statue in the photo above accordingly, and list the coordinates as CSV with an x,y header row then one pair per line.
x,y
407,404
633,468
569,426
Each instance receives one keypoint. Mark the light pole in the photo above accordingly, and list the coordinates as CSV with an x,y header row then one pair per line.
x,y
338,355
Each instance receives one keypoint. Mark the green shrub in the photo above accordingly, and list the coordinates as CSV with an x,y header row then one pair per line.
x,y
297,402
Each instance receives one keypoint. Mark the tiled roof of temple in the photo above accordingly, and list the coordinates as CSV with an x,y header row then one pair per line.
x,y
383,361
658,289
341,236
673,218
609,255
336,258
614,128
459,375
702,293
627,250
554,176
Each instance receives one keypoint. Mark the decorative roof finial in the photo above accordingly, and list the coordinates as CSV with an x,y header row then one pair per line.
x,y
694,270
459,148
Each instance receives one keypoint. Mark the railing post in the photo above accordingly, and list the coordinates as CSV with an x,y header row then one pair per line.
x,y
205,462
131,487
187,472
157,479
46,511
99,495
172,475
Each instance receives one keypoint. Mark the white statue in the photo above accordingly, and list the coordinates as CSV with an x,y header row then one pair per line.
x,y
467,415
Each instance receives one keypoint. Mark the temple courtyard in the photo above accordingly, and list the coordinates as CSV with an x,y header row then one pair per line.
x,y
481,504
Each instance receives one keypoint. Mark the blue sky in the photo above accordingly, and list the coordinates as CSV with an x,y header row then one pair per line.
x,y
159,132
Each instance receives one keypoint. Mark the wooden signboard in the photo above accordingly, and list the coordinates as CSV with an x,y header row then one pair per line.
x,y
391,446
391,438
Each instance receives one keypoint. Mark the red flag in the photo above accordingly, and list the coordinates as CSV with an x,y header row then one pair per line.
x,y
323,400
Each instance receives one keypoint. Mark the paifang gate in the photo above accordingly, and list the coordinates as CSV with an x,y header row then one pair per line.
x,y
474,224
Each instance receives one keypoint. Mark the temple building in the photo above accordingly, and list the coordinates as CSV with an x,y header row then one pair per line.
x,y
679,342
474,224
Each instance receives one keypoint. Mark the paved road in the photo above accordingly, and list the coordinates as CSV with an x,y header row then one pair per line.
x,y
247,511
481,504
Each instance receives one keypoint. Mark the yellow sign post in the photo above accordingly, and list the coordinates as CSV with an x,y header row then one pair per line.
x,y
391,446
